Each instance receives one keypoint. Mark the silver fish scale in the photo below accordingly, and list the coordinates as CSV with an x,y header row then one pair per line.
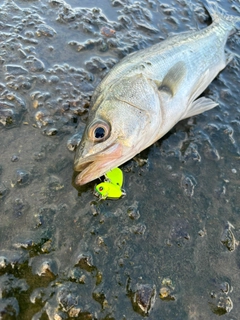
x,y
199,50
126,92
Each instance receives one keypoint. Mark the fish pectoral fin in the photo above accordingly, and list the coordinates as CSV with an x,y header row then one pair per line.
x,y
173,79
200,105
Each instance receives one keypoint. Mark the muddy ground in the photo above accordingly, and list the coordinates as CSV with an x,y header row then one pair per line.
x,y
169,248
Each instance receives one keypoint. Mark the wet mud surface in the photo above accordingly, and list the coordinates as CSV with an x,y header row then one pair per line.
x,y
168,249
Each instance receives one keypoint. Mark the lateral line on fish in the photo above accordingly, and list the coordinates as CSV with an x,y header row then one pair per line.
x,y
133,105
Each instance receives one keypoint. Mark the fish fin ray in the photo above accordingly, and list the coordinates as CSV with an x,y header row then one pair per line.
x,y
200,105
229,56
173,78
200,86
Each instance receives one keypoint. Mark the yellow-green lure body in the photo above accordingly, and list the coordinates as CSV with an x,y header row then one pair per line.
x,y
112,186
115,176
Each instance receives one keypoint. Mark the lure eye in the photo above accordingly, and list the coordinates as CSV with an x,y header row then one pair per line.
x,y
99,131
101,189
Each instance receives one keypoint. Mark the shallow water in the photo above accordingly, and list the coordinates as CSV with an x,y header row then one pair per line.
x,y
169,248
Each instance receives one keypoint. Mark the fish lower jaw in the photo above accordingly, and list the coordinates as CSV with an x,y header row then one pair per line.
x,y
94,170
96,166
80,181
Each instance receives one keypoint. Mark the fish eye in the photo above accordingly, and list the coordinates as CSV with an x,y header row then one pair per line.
x,y
99,131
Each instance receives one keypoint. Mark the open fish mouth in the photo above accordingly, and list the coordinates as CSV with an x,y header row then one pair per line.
x,y
94,166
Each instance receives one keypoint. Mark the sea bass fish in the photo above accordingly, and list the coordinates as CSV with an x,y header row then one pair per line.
x,y
148,92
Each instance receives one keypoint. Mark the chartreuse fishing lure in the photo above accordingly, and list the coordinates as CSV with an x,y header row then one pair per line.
x,y
112,186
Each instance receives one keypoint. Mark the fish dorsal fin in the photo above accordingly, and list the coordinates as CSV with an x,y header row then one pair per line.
x,y
173,78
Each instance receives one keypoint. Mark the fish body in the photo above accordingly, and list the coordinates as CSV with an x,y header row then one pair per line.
x,y
148,92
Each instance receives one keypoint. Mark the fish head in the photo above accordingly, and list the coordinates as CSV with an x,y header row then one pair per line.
x,y
115,132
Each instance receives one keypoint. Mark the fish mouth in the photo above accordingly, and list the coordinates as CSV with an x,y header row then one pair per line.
x,y
94,166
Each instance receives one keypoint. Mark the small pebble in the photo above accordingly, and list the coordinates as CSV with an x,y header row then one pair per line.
x,y
14,158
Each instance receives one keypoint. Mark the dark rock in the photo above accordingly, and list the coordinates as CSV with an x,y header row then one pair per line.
x,y
228,238
100,297
188,184
6,116
74,312
144,297
16,70
66,299
34,65
220,302
44,266
211,152
139,229
54,183
14,158
107,32
50,131
9,309
96,65
32,241
26,85
13,259
10,285
179,232
20,207
3,190
44,30
165,294
85,261
22,177
77,275
3,263
54,79
133,211
225,287
221,305
74,141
